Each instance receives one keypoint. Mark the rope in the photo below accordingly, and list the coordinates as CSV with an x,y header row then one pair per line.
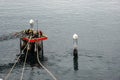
x,y
45,67
6,77
24,65
12,68
24,62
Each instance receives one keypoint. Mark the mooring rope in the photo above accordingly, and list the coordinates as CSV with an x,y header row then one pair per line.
x,y
24,65
6,77
44,66
25,61
11,69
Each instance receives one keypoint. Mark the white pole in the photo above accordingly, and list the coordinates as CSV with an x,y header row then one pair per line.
x,y
75,51
75,41
37,25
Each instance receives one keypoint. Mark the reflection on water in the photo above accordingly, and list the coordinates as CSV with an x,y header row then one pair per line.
x,y
75,62
75,58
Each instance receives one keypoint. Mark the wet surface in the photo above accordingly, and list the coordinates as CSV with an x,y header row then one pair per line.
x,y
95,21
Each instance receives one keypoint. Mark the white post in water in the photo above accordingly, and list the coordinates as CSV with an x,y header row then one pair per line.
x,y
75,51
75,45
75,41
31,23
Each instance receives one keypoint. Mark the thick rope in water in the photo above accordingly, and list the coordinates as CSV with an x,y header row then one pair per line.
x,y
44,66
24,65
24,62
6,77
11,69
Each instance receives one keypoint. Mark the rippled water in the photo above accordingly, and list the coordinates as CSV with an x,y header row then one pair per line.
x,y
95,21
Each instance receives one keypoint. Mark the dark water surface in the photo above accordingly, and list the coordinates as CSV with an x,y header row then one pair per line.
x,y
97,22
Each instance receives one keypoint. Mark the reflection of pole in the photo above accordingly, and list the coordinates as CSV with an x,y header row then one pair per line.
x,y
75,62
75,58
75,51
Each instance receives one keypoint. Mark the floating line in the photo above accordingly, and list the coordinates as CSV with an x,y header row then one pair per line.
x,y
44,66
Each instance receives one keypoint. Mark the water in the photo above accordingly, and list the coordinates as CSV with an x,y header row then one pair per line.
x,y
95,21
